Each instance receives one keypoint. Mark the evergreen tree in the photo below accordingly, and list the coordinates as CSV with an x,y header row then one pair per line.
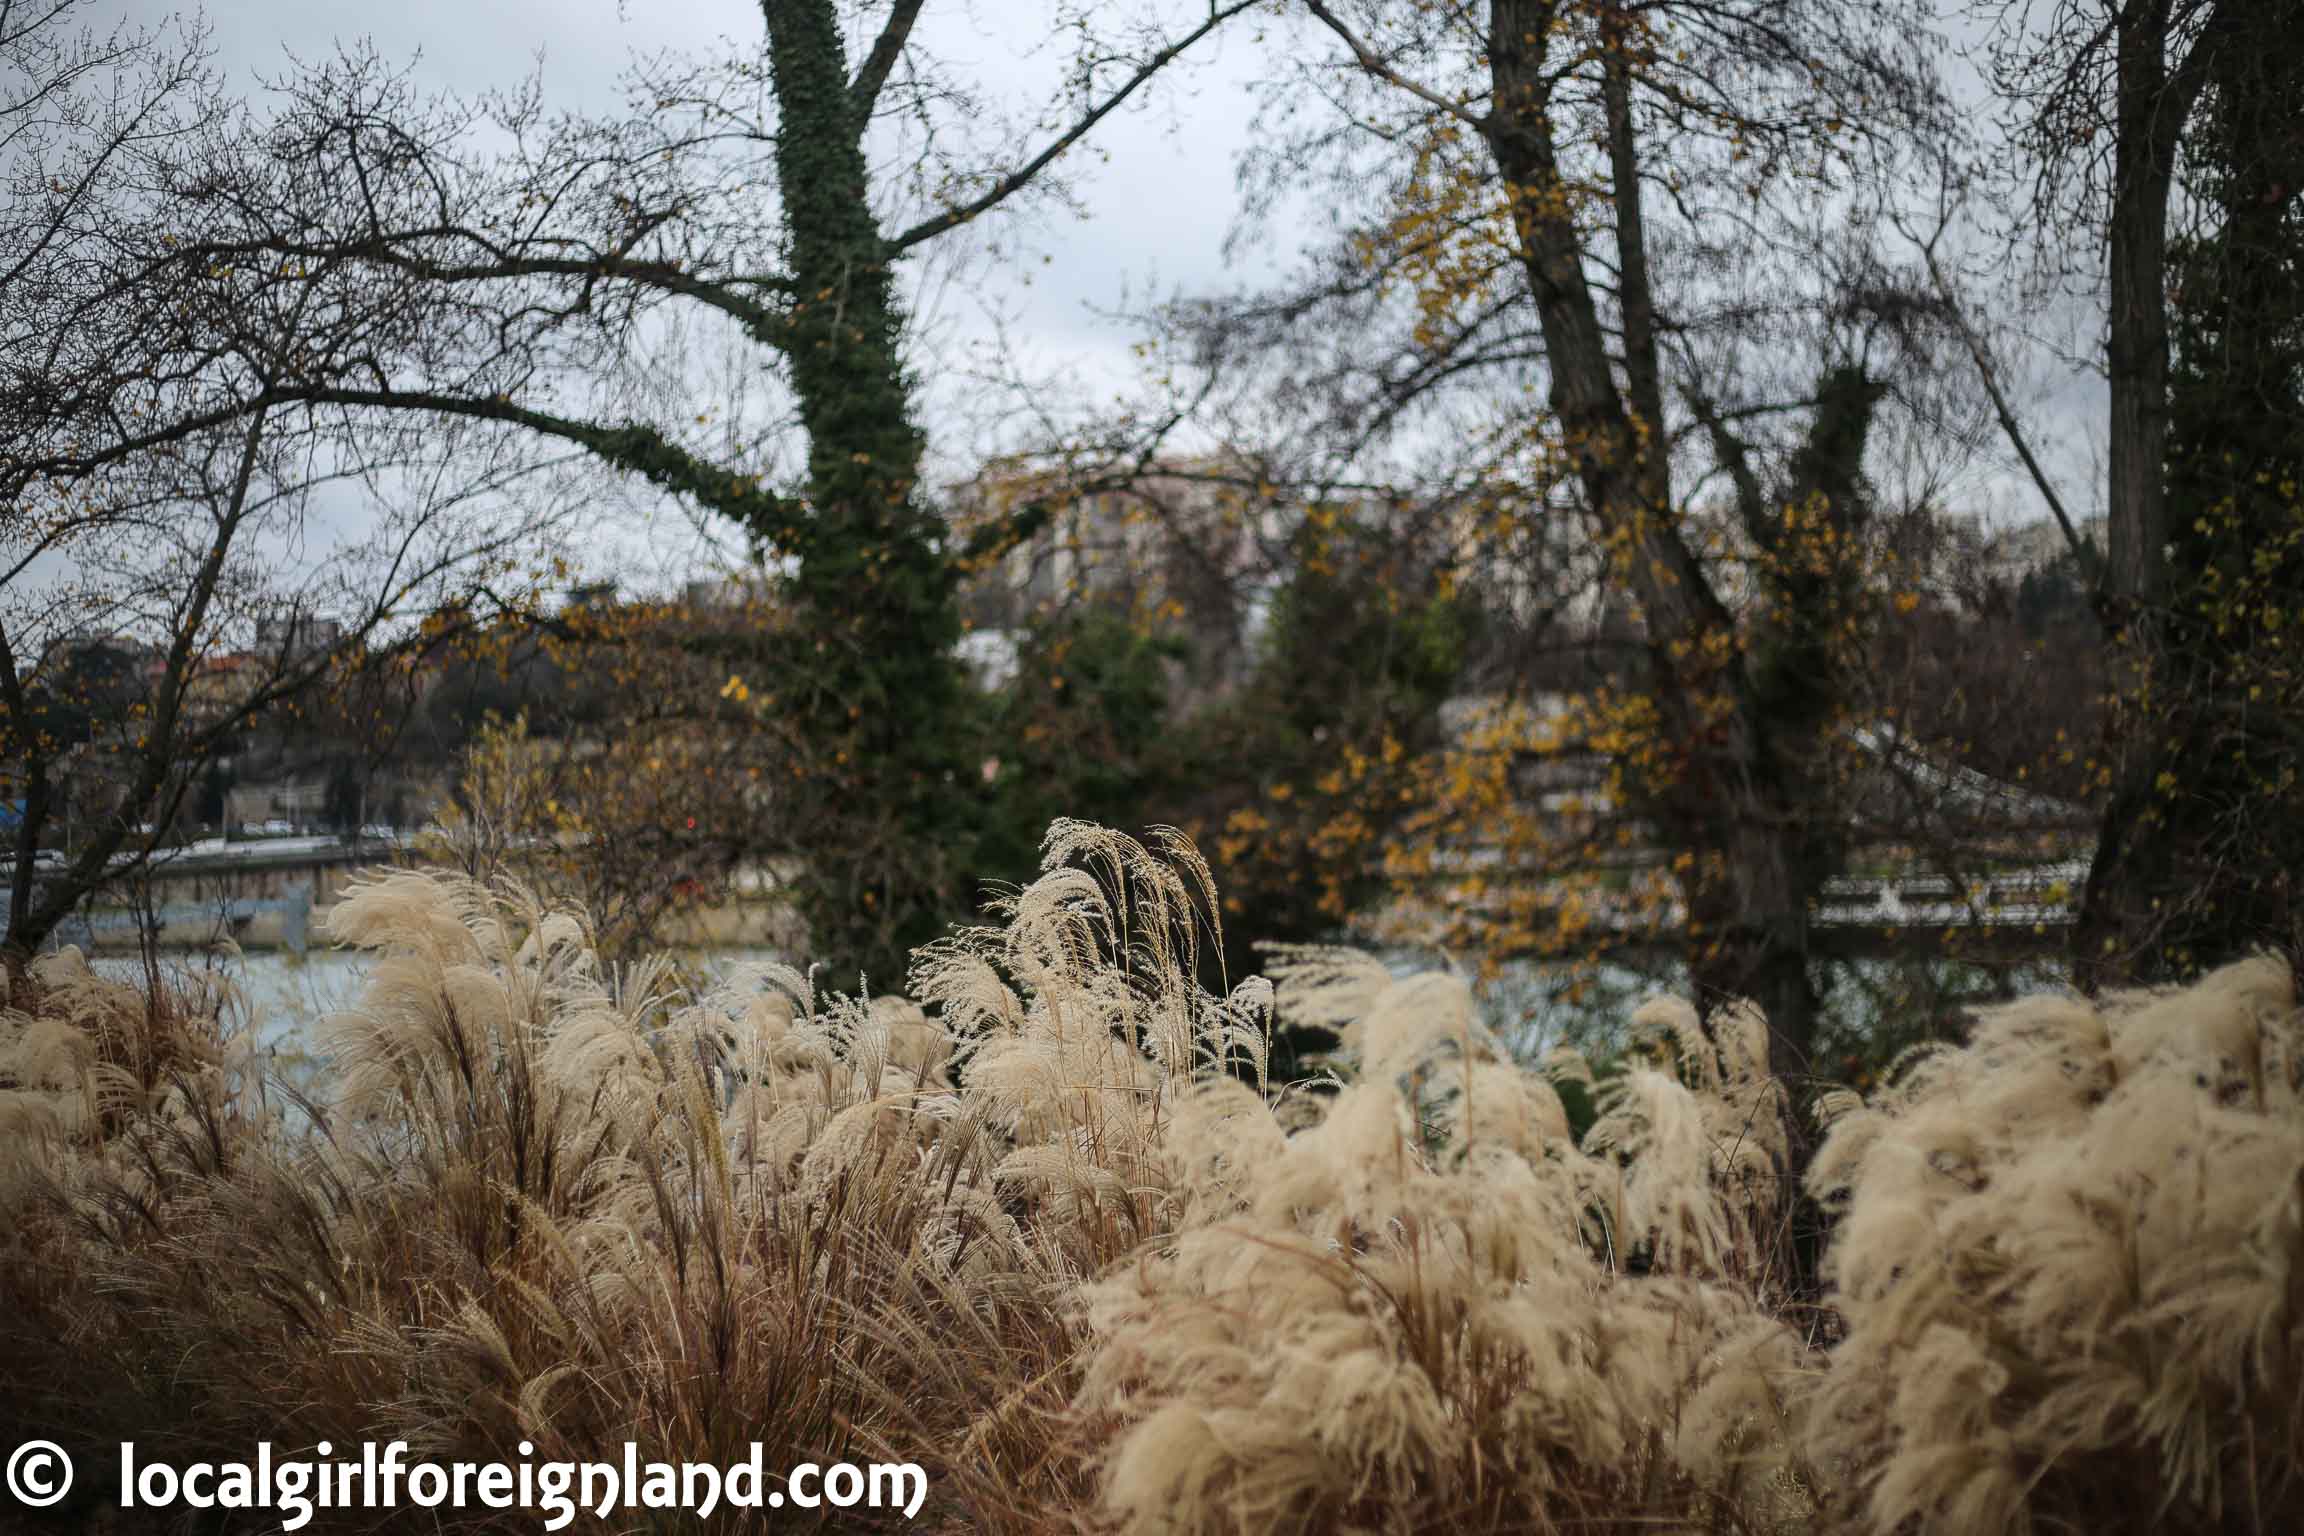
x,y
2207,853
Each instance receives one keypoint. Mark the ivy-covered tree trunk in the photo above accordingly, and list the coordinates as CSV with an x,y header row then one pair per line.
x,y
878,686
1788,837
2202,850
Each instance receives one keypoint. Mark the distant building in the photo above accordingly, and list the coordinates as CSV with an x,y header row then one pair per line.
x,y
725,594
1189,547
92,652
214,686
294,636
2033,547
1112,537
286,806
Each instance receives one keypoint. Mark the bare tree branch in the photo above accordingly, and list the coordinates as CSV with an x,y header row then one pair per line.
x,y
1016,180
1373,62
886,49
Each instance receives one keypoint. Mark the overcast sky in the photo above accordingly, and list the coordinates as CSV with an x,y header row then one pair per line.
x,y
1157,202
1156,211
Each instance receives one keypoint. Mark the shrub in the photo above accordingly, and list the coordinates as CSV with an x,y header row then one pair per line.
x,y
1409,1316
1051,1232
551,1202
2070,1257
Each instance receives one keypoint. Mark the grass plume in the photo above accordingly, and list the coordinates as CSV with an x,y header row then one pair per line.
x,y
1046,1227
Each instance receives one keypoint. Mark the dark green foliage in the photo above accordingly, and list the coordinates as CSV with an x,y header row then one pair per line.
x,y
2056,595
215,785
1811,586
1081,731
81,690
2209,821
1301,770
1288,779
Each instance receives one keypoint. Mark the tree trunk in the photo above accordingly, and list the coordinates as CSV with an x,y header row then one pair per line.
x,y
2197,856
877,598
26,931
1729,800
2137,351
2122,931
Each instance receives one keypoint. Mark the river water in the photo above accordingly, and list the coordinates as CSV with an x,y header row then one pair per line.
x,y
288,995
1531,1008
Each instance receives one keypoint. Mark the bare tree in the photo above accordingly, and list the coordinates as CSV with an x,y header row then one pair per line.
x,y
1602,271
172,488
551,281
2107,88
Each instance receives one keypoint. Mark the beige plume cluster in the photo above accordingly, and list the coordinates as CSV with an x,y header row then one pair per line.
x,y
1047,1227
